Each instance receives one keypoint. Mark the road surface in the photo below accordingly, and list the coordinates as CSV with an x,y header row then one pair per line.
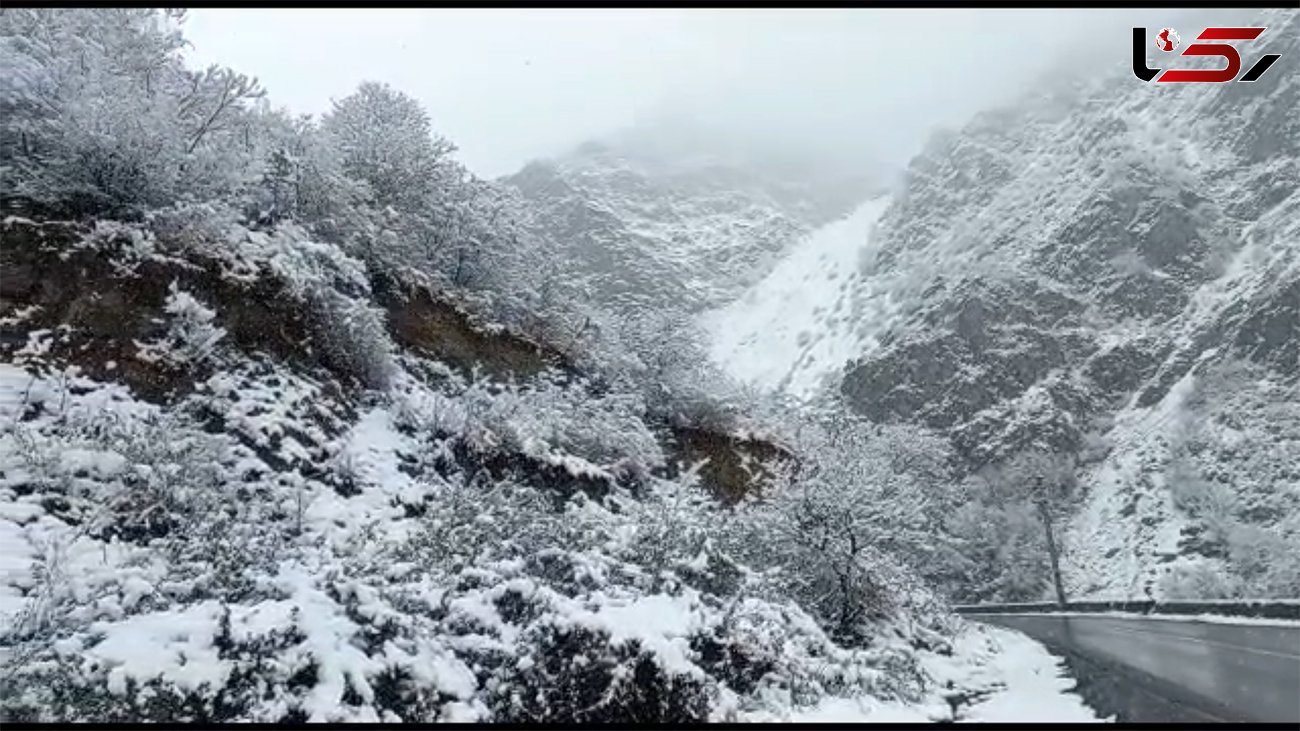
x,y
1215,671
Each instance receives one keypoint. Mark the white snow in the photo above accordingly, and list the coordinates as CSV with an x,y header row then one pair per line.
x,y
793,327
660,622
369,450
174,644
865,708
1028,683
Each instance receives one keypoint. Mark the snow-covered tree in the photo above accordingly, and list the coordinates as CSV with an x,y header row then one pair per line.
x,y
865,499
385,138
1047,482
99,110
1000,540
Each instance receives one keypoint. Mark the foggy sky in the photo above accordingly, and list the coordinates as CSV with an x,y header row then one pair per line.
x,y
510,85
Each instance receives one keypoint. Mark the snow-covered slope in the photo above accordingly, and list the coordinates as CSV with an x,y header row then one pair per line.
x,y
792,330
203,518
658,217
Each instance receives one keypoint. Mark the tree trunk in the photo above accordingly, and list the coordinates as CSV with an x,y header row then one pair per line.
x,y
1052,553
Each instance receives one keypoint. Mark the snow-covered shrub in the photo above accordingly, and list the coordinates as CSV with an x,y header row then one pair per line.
x,y
579,675
601,429
774,654
306,265
1212,503
53,597
194,228
418,409
1200,580
702,400
1003,547
145,488
660,353
190,337
673,532
1229,452
349,333
467,526
352,337
1268,564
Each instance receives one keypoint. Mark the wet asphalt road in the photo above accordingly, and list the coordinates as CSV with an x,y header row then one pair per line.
x,y
1208,670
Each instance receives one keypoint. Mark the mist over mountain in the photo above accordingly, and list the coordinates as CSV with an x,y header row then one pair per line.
x,y
675,215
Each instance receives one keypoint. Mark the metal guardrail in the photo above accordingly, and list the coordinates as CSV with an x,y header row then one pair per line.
x,y
1288,609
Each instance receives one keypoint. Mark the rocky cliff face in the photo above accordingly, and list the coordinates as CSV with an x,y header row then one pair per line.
x,y
1074,269
1107,268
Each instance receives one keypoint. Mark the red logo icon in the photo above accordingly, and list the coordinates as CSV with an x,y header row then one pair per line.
x,y
1167,40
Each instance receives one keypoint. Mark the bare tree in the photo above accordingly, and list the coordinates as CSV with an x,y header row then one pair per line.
x,y
213,94
1048,480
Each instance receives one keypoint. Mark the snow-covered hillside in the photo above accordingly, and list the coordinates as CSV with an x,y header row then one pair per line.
x,y
209,529
792,330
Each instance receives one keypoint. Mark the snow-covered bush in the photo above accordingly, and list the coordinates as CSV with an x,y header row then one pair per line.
x,y
1267,562
602,429
190,337
1228,455
660,352
352,336
1001,544
582,675
1200,580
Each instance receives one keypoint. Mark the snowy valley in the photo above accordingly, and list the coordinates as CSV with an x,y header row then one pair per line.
x,y
302,420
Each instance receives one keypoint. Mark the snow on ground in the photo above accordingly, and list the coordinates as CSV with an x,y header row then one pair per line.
x,y
1026,682
1013,679
872,710
660,622
794,326
1036,688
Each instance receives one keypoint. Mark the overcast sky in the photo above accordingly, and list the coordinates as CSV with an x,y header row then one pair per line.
x,y
510,85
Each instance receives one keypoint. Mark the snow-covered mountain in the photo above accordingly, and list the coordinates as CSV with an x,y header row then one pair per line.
x,y
671,215
1108,268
